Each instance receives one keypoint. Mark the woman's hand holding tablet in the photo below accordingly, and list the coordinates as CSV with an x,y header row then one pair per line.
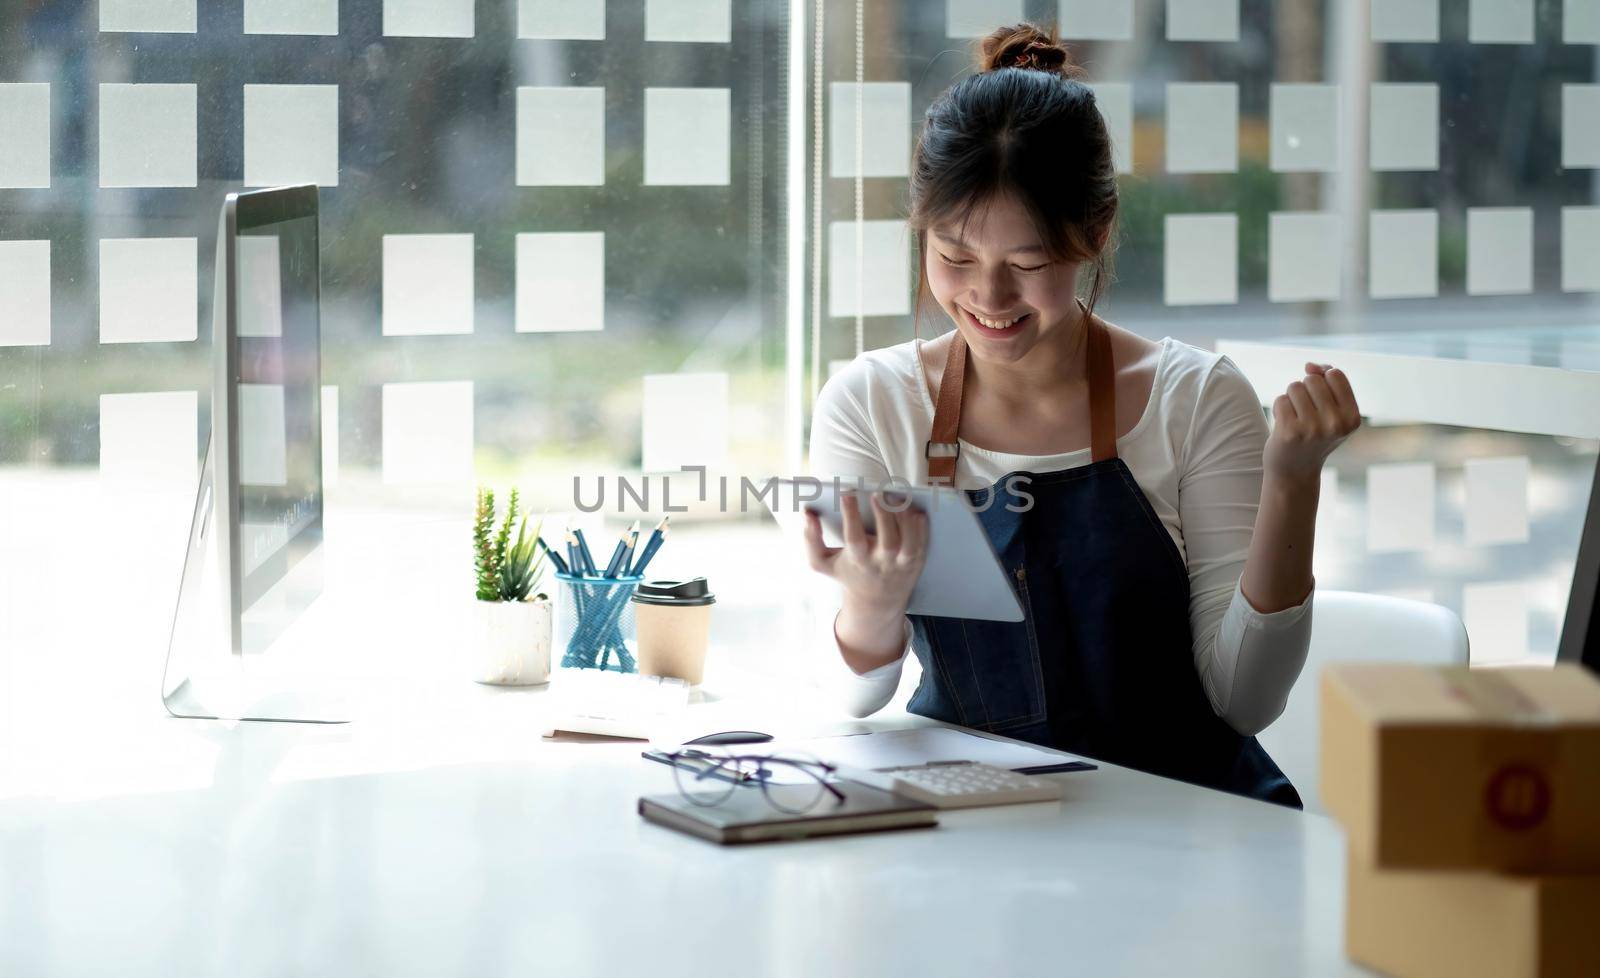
x,y
877,571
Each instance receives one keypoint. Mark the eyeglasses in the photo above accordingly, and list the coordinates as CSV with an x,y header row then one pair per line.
x,y
790,781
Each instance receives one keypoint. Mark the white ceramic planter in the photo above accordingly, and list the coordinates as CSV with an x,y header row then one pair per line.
x,y
512,646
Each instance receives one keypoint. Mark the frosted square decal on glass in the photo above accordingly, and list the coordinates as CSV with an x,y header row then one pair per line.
x,y
291,135
686,136
1499,250
25,150
1403,254
330,435
561,281
1497,500
885,129
878,281
24,293
1580,249
685,418
1094,20
561,137
975,18
1404,128
148,16
1496,616
562,20
1581,21
1201,259
1405,20
708,21
1400,507
149,290
1580,126
427,433
1115,100
263,436
1202,20
427,284
427,18
1203,127
260,284
291,17
1500,22
1304,257
1305,128
150,440
147,135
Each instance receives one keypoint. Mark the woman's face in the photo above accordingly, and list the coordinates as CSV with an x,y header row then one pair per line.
x,y
994,279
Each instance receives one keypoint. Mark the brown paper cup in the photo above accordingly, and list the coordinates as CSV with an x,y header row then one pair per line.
x,y
673,640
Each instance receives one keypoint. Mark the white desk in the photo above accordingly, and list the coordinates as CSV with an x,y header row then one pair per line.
x,y
1536,380
279,864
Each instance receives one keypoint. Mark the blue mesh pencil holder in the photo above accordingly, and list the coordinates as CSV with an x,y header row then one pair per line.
x,y
594,626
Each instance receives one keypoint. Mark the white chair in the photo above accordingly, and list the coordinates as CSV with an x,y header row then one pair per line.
x,y
1350,627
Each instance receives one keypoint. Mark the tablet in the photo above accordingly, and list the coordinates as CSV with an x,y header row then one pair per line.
x,y
962,577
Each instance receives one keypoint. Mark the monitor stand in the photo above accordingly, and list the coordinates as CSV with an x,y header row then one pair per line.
x,y
205,678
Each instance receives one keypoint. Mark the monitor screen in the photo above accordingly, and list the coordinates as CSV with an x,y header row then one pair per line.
x,y
278,382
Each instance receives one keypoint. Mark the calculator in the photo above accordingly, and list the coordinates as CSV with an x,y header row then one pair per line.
x,y
958,784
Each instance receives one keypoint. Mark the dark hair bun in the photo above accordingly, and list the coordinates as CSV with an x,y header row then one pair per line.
x,y
1026,46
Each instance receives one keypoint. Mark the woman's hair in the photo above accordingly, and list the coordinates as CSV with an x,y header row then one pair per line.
x,y
1026,127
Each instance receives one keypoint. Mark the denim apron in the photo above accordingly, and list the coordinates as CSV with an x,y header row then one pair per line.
x,y
1102,664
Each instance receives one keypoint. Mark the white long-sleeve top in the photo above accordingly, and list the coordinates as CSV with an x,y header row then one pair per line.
x,y
1195,452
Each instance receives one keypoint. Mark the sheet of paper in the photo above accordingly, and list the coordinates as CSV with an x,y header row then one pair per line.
x,y
427,284
686,136
563,20
24,293
1305,128
1403,254
1202,127
1580,126
1303,261
1580,22
561,137
148,135
1095,20
291,135
975,18
919,745
291,17
1202,20
1405,20
705,21
1403,130
428,18
1115,100
885,129
1580,249
25,119
1202,259
148,290
1500,22
1499,250
148,16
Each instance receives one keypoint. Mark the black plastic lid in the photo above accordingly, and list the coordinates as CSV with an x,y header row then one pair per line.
x,y
682,593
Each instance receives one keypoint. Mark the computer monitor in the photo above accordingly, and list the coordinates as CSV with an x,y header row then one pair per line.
x,y
1580,635
261,482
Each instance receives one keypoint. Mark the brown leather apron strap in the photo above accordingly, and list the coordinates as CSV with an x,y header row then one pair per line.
x,y
947,415
1102,376
1102,394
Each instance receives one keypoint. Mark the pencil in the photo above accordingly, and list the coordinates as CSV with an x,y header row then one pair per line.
x,y
657,537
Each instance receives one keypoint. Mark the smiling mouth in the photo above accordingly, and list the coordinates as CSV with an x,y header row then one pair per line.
x,y
996,325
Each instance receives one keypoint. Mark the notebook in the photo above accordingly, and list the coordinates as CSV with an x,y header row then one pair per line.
x,y
746,816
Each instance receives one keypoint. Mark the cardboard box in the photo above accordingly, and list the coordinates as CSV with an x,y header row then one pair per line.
x,y
1422,924
1444,768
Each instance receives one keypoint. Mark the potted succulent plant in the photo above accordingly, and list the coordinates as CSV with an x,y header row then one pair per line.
x,y
512,617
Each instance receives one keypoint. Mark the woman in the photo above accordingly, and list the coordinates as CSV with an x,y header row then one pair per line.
x,y
1164,557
